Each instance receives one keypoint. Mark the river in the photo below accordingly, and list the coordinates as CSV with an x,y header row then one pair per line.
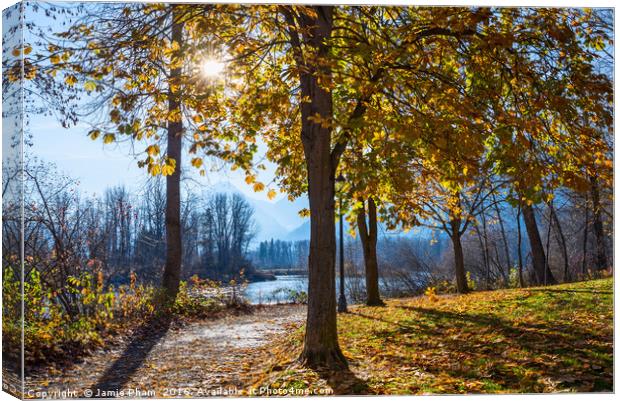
x,y
284,288
274,291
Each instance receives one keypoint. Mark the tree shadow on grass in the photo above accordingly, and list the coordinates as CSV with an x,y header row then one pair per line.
x,y
344,382
120,372
485,347
557,351
523,333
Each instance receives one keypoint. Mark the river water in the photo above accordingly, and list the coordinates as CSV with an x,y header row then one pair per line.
x,y
284,288
278,290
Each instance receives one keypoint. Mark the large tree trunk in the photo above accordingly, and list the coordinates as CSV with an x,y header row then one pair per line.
x,y
368,236
321,347
172,270
561,241
542,273
459,259
597,225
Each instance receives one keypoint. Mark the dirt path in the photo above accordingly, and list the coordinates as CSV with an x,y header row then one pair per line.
x,y
217,357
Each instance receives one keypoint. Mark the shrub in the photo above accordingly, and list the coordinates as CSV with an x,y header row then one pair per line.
x,y
69,319
431,293
471,283
513,278
287,295
189,304
444,287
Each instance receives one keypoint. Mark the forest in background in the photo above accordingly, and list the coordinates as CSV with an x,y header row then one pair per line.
x,y
121,232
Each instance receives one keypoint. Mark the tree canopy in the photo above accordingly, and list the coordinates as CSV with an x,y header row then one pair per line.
x,y
426,112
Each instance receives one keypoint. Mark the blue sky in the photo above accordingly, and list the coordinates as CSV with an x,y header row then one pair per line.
x,y
98,166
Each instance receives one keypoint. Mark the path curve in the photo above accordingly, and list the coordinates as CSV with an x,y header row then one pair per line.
x,y
204,358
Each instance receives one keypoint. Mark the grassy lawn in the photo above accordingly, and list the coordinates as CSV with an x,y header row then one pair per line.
x,y
547,339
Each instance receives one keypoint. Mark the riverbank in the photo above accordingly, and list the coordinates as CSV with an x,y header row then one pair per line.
x,y
257,276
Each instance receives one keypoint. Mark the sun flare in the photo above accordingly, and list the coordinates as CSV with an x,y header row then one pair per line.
x,y
212,68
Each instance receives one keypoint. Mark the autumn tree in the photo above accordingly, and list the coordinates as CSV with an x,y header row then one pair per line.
x,y
136,62
544,98
288,98
440,93
511,100
317,47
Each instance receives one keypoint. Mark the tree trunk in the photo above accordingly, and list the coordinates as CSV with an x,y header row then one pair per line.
x,y
321,347
597,224
459,260
547,245
368,236
542,274
561,240
519,254
586,226
504,241
172,270
484,252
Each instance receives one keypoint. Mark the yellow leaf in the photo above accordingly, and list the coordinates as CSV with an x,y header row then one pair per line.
x,y
71,80
271,194
154,169
16,52
174,116
55,59
167,169
90,86
197,118
258,187
197,162
108,138
94,134
27,50
152,150
249,179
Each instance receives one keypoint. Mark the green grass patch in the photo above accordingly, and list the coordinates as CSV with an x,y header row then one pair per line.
x,y
545,339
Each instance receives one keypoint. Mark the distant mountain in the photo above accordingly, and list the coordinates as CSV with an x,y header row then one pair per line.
x,y
281,220
300,233
288,212
267,227
223,187
273,219
284,212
